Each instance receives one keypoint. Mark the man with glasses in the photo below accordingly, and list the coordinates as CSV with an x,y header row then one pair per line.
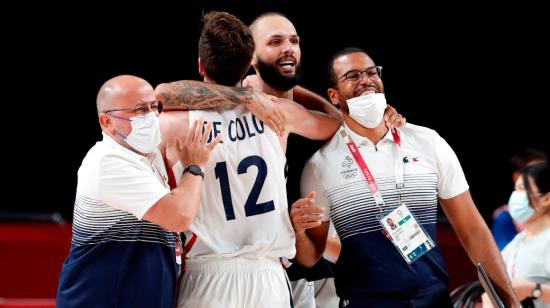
x,y
369,175
125,216
277,62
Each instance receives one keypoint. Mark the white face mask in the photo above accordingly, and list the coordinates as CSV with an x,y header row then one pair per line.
x,y
519,206
367,110
145,134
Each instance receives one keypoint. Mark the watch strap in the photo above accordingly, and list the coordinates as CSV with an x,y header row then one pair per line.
x,y
194,169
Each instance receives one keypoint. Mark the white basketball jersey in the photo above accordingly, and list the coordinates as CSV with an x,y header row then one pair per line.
x,y
244,210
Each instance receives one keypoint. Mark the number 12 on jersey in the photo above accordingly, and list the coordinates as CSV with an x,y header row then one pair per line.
x,y
251,207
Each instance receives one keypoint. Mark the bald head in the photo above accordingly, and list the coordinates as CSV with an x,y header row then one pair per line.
x,y
117,92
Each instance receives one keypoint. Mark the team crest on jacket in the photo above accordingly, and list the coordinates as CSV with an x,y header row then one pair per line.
x,y
349,170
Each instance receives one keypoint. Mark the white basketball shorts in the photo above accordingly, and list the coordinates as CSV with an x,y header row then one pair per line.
x,y
234,283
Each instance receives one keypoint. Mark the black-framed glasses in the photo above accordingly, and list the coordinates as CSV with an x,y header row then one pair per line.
x,y
372,73
142,110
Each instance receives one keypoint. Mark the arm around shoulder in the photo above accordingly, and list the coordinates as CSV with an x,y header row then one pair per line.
x,y
192,94
314,101
310,124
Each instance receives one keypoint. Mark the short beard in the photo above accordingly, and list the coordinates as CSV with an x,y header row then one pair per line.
x,y
271,76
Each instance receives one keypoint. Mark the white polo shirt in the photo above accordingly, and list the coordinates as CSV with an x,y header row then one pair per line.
x,y
431,170
116,257
116,185
369,265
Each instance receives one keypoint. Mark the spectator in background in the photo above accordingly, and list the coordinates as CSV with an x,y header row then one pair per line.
x,y
527,256
504,227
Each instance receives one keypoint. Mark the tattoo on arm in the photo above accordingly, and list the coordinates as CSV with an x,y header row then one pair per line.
x,y
237,95
190,94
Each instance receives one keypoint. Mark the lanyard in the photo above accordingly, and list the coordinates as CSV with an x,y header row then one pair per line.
x,y
368,175
152,161
514,258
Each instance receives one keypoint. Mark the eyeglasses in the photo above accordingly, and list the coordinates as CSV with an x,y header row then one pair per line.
x,y
155,106
372,73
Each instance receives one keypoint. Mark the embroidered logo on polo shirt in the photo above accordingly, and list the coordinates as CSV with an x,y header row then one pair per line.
x,y
409,159
348,171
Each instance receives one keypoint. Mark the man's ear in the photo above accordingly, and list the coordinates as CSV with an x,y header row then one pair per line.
x,y
201,67
334,96
105,121
254,62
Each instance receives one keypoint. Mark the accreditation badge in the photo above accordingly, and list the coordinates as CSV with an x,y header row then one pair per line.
x,y
408,236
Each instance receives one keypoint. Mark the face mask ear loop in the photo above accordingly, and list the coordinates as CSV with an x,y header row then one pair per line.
x,y
117,132
120,134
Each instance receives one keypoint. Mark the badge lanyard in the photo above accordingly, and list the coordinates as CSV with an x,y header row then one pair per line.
x,y
514,258
368,175
171,181
408,236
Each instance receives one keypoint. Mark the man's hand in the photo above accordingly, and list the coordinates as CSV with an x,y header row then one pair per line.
x,y
305,215
392,118
196,150
252,81
264,107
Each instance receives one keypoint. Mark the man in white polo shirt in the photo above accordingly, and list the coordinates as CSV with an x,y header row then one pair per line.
x,y
125,216
369,174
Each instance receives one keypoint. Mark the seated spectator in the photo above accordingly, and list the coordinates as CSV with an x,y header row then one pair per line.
x,y
504,228
527,256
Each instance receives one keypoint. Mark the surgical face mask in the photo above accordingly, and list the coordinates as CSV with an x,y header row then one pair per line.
x,y
368,110
519,206
145,134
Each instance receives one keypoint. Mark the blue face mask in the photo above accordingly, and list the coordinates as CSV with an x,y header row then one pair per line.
x,y
519,206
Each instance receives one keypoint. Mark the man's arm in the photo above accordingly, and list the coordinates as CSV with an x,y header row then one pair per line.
x,y
314,101
310,218
333,247
177,209
476,239
307,123
311,232
191,94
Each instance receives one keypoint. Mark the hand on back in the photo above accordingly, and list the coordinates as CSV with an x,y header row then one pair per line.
x,y
195,149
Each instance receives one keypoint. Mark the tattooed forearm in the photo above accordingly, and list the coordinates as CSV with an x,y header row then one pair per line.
x,y
190,94
237,95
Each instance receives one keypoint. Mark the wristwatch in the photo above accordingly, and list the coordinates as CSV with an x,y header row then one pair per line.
x,y
537,291
194,170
